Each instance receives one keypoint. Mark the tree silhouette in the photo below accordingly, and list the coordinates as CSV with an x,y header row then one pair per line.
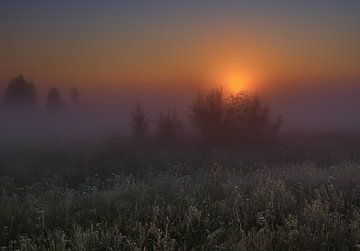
x,y
248,119
207,115
169,125
74,96
20,92
54,101
238,119
139,123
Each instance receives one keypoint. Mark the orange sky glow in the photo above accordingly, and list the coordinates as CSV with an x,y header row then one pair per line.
x,y
176,49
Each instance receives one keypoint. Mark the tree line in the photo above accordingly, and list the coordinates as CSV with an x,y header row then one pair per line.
x,y
217,120
21,94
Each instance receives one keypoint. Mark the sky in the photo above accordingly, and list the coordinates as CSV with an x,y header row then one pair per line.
x,y
175,47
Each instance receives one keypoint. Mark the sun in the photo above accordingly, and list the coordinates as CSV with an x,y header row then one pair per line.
x,y
236,82
237,79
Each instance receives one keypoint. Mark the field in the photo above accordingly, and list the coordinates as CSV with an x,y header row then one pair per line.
x,y
283,198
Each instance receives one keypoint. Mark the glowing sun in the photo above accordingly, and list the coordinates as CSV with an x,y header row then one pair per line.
x,y
237,82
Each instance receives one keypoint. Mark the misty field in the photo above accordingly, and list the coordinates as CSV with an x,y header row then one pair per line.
x,y
257,200
179,125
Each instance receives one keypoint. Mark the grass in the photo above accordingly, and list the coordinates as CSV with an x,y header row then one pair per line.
x,y
223,201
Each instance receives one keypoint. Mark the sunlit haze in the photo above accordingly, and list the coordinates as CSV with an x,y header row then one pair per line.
x,y
180,125
165,51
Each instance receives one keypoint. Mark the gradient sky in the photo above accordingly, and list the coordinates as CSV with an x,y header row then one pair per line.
x,y
176,44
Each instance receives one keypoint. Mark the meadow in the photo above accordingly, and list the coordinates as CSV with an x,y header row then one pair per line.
x,y
285,197
179,125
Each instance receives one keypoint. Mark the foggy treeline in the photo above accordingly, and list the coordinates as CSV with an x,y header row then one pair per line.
x,y
156,184
213,119
20,95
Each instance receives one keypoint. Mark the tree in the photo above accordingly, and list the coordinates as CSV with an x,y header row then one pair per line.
x,y
74,96
169,126
139,123
207,115
238,119
54,101
20,92
248,120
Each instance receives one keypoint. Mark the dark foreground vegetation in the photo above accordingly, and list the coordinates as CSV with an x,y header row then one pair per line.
x,y
280,198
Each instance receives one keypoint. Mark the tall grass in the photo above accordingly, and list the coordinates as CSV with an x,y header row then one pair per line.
x,y
298,206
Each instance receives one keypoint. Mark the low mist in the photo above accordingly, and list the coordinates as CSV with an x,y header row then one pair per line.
x,y
321,108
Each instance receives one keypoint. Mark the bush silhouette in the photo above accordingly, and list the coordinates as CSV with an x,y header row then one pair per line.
x,y
20,92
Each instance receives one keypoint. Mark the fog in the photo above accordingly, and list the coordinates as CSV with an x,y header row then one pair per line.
x,y
325,107
318,107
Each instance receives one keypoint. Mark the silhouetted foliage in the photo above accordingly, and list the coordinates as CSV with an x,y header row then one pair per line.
x,y
54,101
139,123
20,92
207,115
169,126
238,119
74,96
248,120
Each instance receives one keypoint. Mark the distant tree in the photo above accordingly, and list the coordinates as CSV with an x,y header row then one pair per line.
x,y
169,126
20,92
248,119
74,96
139,123
207,114
238,119
54,101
